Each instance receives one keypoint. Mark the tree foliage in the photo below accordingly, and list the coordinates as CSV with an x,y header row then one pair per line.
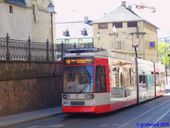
x,y
164,52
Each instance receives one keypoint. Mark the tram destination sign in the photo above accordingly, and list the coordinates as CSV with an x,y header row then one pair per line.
x,y
78,60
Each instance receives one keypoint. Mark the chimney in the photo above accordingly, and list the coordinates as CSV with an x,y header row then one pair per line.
x,y
86,19
124,3
130,7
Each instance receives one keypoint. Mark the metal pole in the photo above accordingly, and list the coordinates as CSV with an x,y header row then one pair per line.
x,y
169,62
29,49
74,45
136,61
52,39
7,48
62,51
47,50
136,54
155,79
136,65
166,72
167,69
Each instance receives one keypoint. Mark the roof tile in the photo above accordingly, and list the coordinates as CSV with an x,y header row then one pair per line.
x,y
120,14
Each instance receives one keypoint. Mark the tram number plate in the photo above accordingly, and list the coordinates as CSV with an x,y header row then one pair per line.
x,y
77,103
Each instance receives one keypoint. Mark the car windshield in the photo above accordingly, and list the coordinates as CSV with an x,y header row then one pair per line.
x,y
78,79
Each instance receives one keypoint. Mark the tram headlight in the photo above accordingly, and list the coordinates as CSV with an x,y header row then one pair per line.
x,y
66,96
89,96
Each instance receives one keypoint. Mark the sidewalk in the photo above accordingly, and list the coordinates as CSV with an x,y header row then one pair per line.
x,y
167,87
28,116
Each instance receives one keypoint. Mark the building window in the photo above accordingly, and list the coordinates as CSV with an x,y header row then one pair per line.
x,y
84,32
11,9
103,26
33,12
132,24
119,45
117,24
143,81
66,33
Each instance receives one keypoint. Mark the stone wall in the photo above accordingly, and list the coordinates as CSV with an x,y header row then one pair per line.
x,y
29,86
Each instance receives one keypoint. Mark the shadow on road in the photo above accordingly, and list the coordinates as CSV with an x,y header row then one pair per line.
x,y
92,115
167,90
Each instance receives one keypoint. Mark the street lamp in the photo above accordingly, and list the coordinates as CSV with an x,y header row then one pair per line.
x,y
135,45
114,29
115,34
98,37
51,10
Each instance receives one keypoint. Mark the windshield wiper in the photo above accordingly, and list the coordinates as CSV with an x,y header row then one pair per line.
x,y
84,88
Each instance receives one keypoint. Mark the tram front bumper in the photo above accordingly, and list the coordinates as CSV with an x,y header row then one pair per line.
x,y
78,109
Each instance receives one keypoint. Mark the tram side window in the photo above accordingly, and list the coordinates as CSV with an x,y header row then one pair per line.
x,y
162,81
143,81
157,79
100,79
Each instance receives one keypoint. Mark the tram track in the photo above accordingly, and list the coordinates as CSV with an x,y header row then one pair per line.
x,y
155,112
148,112
159,119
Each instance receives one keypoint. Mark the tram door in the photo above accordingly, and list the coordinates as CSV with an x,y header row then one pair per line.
x,y
100,78
102,94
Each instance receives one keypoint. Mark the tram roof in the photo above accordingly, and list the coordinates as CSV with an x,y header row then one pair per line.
x,y
96,53
82,50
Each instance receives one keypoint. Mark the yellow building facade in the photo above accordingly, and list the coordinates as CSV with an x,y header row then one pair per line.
x,y
118,30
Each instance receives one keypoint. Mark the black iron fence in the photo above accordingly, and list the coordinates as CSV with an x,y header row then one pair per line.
x,y
11,49
21,50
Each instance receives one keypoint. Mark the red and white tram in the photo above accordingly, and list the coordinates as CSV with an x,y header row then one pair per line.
x,y
99,82
160,75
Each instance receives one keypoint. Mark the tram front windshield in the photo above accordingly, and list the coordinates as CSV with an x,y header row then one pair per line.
x,y
78,79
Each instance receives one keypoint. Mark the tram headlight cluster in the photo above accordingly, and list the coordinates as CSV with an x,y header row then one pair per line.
x,y
66,96
89,96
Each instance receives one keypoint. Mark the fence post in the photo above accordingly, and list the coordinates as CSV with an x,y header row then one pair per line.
x,y
7,48
62,50
74,45
47,50
29,48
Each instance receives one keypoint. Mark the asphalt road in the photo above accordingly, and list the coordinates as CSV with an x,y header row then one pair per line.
x,y
151,114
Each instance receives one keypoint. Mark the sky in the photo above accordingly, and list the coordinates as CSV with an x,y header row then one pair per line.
x,y
75,10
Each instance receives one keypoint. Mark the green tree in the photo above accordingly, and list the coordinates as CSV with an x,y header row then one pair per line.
x,y
164,53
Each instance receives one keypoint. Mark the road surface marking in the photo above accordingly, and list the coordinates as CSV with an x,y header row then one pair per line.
x,y
159,119
141,115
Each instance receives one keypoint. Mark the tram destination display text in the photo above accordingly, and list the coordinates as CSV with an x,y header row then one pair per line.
x,y
80,60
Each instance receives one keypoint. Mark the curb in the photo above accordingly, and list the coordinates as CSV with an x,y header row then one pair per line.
x,y
13,124
27,121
